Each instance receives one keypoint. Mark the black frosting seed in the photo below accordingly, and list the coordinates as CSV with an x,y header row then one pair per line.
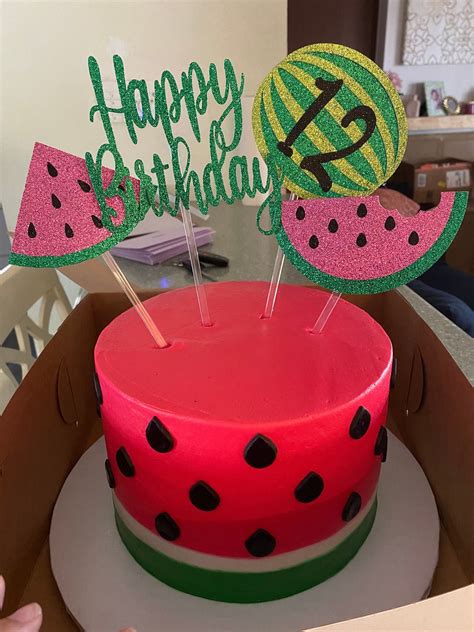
x,y
97,389
68,231
413,239
381,443
110,474
333,226
53,172
31,231
361,240
97,221
309,488
55,201
158,436
260,544
167,527
360,423
260,452
393,376
84,186
362,210
203,497
124,462
389,223
313,241
300,214
352,507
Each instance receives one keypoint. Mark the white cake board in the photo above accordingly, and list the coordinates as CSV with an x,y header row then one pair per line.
x,y
105,589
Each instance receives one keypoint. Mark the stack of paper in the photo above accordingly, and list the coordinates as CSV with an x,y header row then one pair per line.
x,y
156,239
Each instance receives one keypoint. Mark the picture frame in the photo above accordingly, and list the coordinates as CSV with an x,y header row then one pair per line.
x,y
451,105
434,95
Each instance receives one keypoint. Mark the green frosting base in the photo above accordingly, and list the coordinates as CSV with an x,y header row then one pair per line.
x,y
237,587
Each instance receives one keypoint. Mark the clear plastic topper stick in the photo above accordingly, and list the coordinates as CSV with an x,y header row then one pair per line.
x,y
275,280
326,312
274,284
196,267
134,300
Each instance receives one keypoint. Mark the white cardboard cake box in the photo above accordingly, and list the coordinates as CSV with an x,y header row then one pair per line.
x,y
51,420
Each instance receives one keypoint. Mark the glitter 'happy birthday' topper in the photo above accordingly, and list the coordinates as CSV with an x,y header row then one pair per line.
x,y
222,179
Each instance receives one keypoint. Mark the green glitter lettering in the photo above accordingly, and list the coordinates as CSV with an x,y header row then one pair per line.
x,y
171,100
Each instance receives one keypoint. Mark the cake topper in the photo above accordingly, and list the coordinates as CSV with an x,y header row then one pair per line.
x,y
332,122
355,245
60,222
170,103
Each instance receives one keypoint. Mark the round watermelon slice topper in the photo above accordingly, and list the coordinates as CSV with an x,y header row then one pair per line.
x,y
355,245
60,222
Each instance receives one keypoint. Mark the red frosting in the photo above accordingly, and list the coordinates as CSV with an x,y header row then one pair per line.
x,y
215,388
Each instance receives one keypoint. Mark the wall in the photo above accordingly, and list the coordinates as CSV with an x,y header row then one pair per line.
x,y
46,88
459,80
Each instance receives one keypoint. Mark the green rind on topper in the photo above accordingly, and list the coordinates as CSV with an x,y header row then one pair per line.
x,y
386,283
246,587
52,261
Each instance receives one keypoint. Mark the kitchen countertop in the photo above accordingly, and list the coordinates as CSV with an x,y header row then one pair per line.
x,y
252,256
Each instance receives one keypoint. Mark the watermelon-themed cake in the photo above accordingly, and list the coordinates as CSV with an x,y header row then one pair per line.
x,y
243,459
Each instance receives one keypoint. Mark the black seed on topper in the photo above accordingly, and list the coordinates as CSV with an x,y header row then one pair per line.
x,y
97,221
413,239
68,231
110,474
260,543
260,452
121,186
300,214
360,423
203,497
31,231
53,172
124,462
55,201
333,226
352,507
309,488
313,242
158,436
381,443
167,527
389,223
361,240
362,210
84,186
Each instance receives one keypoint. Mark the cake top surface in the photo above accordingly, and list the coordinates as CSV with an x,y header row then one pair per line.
x,y
244,368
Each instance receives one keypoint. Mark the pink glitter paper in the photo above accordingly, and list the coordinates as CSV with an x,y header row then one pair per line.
x,y
386,251
356,245
59,214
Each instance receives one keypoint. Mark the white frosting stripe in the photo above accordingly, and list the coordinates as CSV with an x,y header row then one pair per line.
x,y
215,562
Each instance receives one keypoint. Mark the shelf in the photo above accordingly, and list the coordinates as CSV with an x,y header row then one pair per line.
x,y
448,124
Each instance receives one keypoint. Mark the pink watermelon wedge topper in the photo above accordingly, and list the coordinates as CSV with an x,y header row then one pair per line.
x,y
60,221
355,245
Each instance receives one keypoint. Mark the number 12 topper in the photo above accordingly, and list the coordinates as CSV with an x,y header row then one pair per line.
x,y
332,122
